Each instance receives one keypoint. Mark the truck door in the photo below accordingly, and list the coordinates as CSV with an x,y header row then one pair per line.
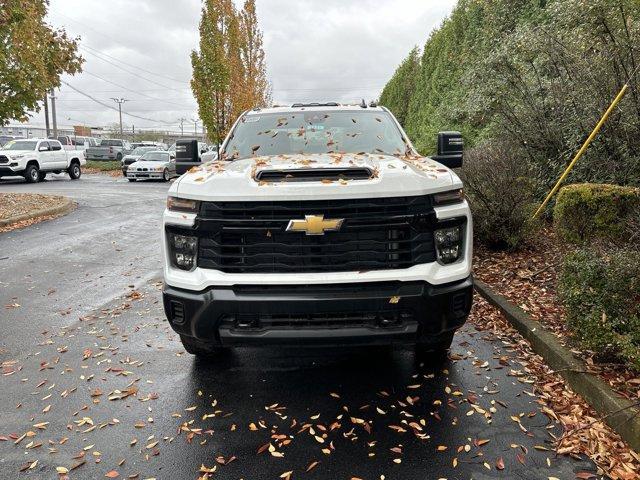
x,y
46,157
59,155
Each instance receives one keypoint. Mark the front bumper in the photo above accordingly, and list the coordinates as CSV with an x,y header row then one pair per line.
x,y
145,175
6,171
375,313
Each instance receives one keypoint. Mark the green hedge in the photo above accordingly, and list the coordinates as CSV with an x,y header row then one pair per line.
x,y
589,211
601,293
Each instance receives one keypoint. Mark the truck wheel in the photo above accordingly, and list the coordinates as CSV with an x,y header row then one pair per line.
x,y
74,171
42,176
119,157
436,349
198,348
32,174
165,175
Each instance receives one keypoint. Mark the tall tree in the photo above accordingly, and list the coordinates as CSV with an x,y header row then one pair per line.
x,y
213,66
399,91
229,70
33,56
258,90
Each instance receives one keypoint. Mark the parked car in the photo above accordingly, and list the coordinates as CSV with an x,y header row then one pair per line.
x,y
76,142
34,158
109,149
134,157
153,165
330,230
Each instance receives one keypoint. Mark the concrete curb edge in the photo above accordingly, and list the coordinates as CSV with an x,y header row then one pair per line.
x,y
65,207
618,412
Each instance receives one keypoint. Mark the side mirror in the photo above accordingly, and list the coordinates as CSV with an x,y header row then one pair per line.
x,y
450,149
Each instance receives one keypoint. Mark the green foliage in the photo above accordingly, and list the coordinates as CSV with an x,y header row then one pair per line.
x,y
595,212
500,189
601,294
538,74
33,56
399,90
104,166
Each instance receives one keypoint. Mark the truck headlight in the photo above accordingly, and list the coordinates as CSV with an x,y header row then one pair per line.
x,y
17,157
183,250
176,204
448,198
448,244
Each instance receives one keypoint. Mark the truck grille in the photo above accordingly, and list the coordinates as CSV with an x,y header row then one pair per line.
x,y
377,234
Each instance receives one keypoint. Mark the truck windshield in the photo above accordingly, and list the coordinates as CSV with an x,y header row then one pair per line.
x,y
315,131
21,145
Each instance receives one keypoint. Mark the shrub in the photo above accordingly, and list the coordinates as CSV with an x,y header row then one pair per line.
x,y
595,212
601,293
500,189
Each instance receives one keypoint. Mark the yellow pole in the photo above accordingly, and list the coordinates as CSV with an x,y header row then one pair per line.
x,y
583,149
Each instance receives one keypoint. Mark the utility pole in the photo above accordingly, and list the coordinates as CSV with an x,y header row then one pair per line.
x,y
46,115
195,126
53,113
120,101
182,126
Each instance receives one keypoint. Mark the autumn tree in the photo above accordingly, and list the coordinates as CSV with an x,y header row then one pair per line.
x,y
229,71
33,56
257,87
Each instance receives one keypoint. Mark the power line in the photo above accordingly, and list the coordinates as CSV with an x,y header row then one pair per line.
x,y
130,89
111,107
85,46
133,73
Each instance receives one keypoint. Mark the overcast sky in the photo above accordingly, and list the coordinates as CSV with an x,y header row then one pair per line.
x,y
316,50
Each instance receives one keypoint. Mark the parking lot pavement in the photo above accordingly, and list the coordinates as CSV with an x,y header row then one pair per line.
x,y
95,383
114,392
61,269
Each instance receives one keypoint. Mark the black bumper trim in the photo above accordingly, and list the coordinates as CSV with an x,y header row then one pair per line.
x,y
252,315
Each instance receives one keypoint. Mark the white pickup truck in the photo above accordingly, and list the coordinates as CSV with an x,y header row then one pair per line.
x,y
35,157
319,224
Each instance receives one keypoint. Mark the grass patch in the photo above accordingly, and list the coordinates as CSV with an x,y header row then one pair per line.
x,y
104,166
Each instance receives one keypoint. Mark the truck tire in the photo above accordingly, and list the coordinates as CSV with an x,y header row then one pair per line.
x,y
32,173
198,348
165,175
74,171
436,349
119,157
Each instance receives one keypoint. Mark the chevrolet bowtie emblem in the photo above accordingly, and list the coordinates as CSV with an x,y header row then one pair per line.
x,y
315,225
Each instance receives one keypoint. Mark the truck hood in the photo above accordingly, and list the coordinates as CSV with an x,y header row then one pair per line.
x,y
13,153
390,177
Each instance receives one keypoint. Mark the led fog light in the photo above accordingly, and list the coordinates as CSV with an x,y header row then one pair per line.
x,y
184,250
448,244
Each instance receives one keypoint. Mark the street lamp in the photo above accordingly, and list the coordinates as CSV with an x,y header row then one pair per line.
x,y
120,101
195,126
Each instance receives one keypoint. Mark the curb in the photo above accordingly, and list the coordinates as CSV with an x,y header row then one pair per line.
x,y
66,206
618,412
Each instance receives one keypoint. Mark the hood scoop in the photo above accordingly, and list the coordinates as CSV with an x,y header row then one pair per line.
x,y
314,174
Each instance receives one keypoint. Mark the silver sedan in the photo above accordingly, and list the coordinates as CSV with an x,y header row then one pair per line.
x,y
154,165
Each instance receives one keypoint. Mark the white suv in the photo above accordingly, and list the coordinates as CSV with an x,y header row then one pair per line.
x,y
319,224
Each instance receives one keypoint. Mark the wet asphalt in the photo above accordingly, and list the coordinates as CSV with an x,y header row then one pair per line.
x,y
93,377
